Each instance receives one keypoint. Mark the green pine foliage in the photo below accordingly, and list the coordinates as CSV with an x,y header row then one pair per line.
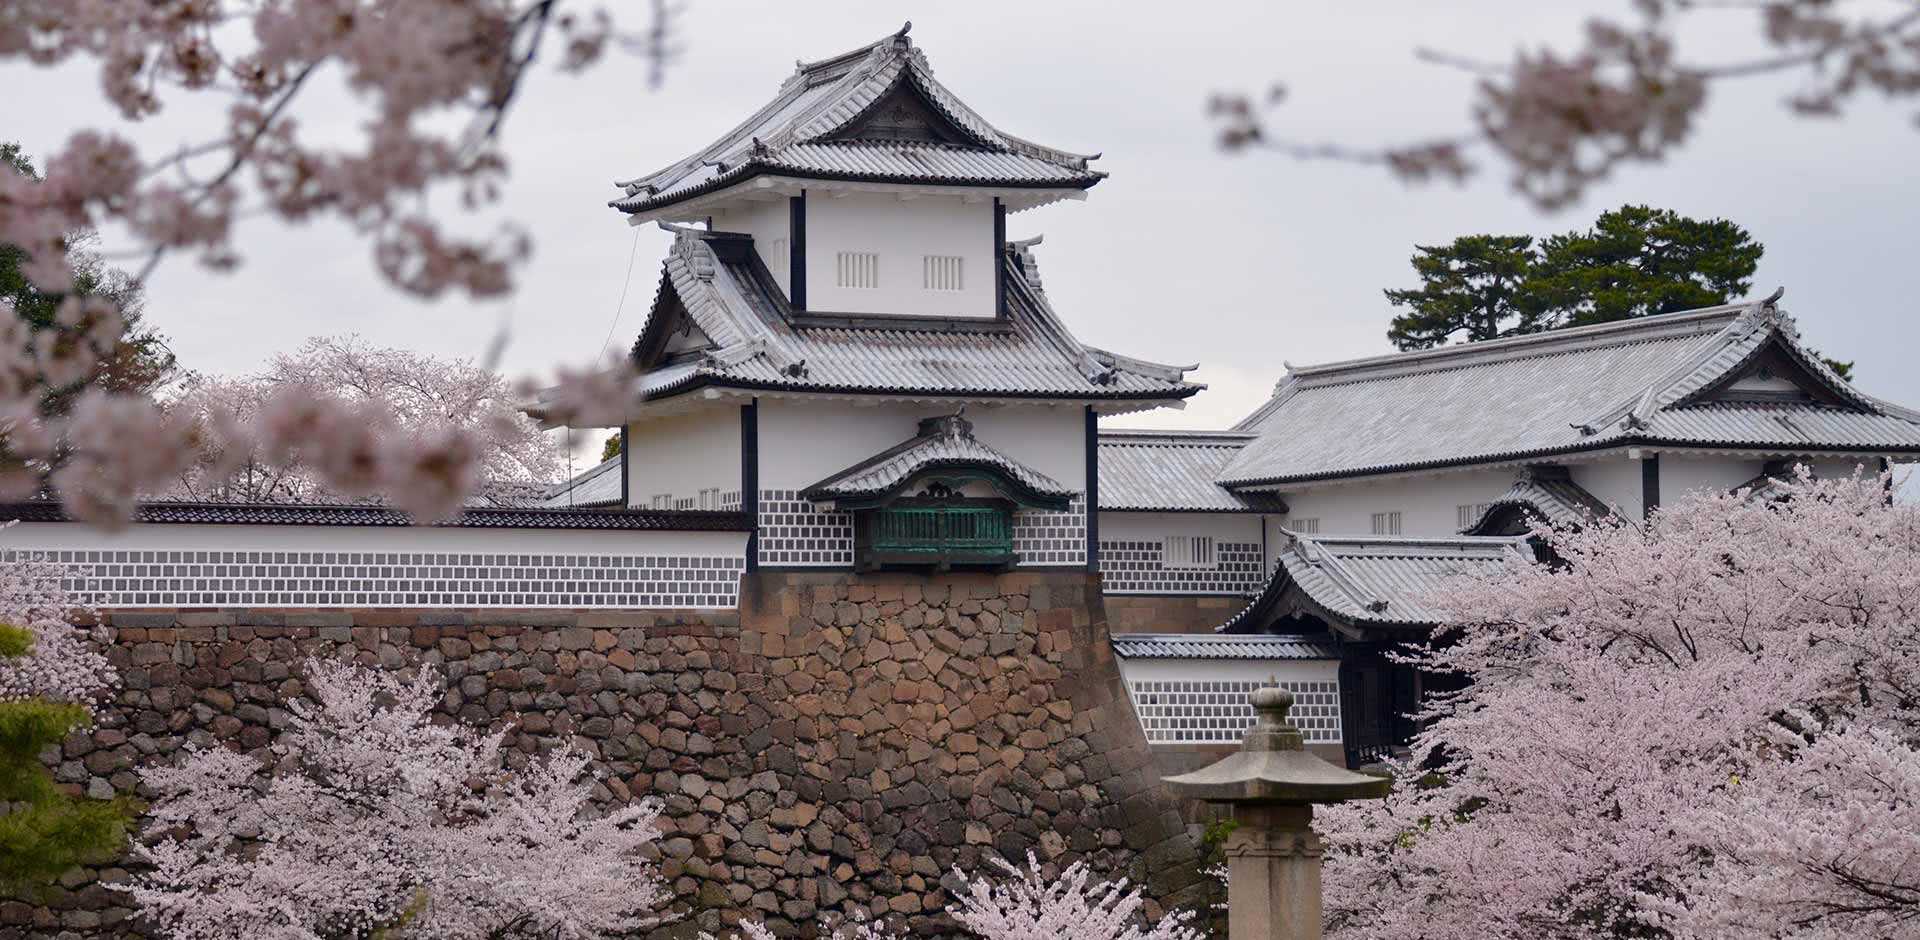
x,y
1635,261
44,832
142,363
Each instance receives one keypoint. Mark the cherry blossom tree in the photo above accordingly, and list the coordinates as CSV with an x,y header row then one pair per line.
x,y
1706,727
409,394
1560,120
436,80
1028,905
371,819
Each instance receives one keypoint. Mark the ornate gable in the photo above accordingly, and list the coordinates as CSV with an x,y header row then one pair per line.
x,y
903,113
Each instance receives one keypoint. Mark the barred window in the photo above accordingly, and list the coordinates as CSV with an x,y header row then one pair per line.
x,y
1188,551
942,272
1470,513
859,269
1304,526
1386,523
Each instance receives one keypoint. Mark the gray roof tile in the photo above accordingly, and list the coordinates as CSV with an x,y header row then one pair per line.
x,y
1548,493
760,343
1172,471
943,443
163,513
792,135
1636,381
1222,646
598,486
1374,581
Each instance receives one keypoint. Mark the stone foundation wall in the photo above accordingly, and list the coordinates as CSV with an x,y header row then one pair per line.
x,y
1171,613
838,742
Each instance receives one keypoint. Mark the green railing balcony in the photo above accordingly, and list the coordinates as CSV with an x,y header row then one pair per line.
x,y
941,536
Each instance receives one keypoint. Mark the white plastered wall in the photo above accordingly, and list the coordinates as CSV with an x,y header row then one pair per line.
x,y
680,455
769,221
901,232
289,566
1615,481
1153,526
1682,474
803,442
1428,504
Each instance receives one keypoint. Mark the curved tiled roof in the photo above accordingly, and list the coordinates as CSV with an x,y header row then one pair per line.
x,y
1372,581
162,513
1173,471
795,135
594,487
1563,391
1547,493
1222,646
758,341
944,443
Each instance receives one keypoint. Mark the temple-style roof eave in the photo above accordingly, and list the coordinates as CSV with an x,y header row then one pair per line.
x,y
1213,646
945,446
825,103
641,211
1704,321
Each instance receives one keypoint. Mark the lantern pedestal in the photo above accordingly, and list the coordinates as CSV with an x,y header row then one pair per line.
x,y
1273,873
1273,856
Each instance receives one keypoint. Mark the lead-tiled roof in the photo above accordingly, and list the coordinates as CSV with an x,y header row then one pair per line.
x,y
1172,471
163,513
944,443
1373,581
1222,646
758,342
796,135
1637,381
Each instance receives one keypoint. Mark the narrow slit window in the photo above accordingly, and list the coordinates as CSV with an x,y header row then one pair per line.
x,y
942,272
857,269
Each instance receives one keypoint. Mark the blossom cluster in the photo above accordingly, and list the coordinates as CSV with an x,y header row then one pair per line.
x,y
1564,120
413,64
371,817
66,662
393,397
1027,904
1705,727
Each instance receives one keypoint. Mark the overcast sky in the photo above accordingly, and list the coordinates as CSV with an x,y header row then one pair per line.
x,y
1184,255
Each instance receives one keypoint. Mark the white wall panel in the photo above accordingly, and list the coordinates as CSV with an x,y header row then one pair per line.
x,y
902,233
680,455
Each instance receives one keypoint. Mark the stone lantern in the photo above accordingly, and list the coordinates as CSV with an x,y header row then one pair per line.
x,y
1273,856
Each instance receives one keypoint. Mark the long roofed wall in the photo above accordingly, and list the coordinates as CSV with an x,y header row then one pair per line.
x,y
1673,380
840,742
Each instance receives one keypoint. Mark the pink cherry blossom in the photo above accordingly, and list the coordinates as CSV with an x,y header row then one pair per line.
x,y
66,663
376,818
1705,727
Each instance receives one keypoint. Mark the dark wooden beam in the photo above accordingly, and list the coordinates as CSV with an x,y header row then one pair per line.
x,y
750,477
1649,484
999,257
626,468
1093,489
797,251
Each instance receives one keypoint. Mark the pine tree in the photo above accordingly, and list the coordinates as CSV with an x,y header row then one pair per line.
x,y
45,831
